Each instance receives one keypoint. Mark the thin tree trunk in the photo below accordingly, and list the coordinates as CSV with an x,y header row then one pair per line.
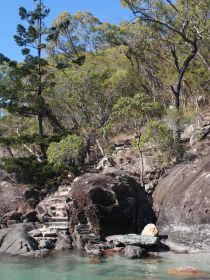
x,y
100,148
41,136
9,151
40,114
142,162
176,90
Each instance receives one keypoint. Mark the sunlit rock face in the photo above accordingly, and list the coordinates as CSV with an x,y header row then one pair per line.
x,y
183,195
106,204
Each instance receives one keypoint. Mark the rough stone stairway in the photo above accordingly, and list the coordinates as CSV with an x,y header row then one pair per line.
x,y
53,213
53,209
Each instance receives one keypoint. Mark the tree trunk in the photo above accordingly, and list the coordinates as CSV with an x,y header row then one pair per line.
x,y
41,136
177,128
39,93
176,90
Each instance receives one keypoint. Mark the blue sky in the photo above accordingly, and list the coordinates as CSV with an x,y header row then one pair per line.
x,y
106,10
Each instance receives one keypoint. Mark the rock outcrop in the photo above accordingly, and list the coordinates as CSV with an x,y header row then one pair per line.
x,y
11,194
182,206
106,204
80,215
17,241
183,195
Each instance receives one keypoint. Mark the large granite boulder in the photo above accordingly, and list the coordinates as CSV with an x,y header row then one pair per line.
x,y
16,241
106,204
182,197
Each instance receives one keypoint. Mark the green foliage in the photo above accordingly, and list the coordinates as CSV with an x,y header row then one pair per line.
x,y
158,134
158,138
135,111
29,170
67,154
84,96
101,79
71,36
139,103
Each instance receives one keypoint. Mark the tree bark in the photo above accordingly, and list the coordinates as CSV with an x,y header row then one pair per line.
x,y
40,114
176,90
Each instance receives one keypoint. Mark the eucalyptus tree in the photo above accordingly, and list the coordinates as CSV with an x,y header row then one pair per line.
x,y
73,35
182,25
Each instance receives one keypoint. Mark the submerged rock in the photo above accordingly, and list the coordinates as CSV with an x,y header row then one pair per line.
x,y
134,252
188,271
93,250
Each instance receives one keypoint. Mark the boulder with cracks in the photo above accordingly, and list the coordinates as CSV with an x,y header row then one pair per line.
x,y
106,204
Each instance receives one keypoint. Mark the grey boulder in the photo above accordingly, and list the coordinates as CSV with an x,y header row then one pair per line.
x,y
133,239
134,252
16,241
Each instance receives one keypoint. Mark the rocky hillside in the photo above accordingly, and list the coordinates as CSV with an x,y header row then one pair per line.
x,y
11,194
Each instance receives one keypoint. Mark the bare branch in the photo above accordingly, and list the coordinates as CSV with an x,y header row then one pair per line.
x,y
139,12
175,8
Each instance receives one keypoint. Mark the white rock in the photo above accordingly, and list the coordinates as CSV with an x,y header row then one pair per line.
x,y
150,230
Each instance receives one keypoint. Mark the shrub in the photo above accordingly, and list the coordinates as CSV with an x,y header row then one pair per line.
x,y
67,154
29,170
158,138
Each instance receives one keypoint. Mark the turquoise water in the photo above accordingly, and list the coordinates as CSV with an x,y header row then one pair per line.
x,y
69,266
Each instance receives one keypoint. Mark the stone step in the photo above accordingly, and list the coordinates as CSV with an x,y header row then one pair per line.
x,y
59,214
45,238
64,188
54,224
57,199
60,219
48,204
56,219
59,227
58,196
59,206
63,193
83,229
